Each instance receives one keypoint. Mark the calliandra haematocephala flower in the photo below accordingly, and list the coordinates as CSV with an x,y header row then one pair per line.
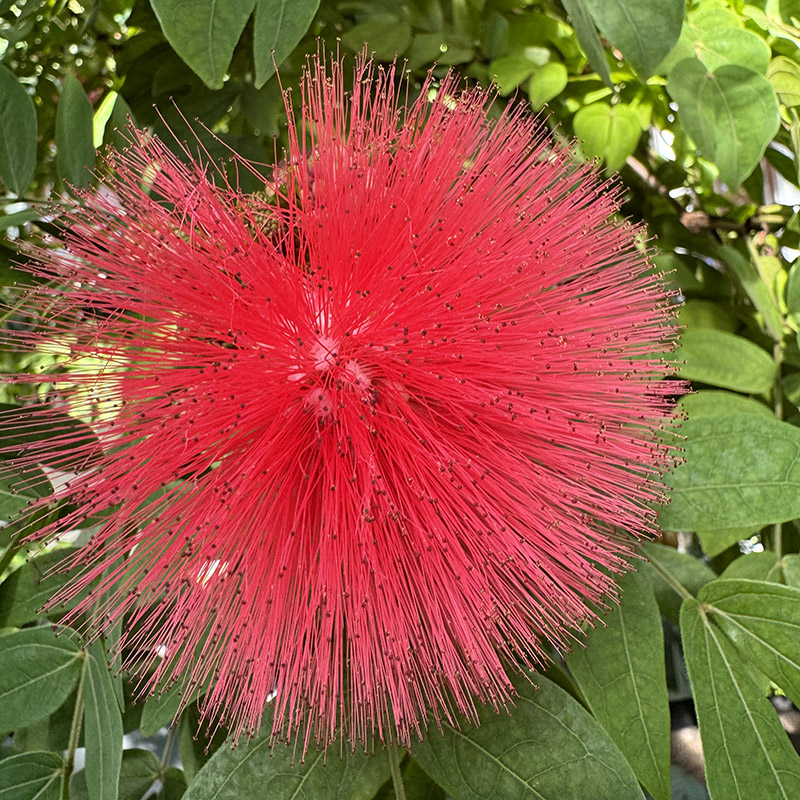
x,y
374,438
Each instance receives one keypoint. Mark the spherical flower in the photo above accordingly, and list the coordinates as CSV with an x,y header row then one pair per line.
x,y
373,438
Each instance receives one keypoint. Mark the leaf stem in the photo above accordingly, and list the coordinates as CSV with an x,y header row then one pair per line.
x,y
74,731
394,767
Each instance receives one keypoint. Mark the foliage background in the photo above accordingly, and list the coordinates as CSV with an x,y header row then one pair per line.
x,y
696,107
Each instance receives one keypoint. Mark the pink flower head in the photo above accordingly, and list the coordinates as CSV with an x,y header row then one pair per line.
x,y
372,440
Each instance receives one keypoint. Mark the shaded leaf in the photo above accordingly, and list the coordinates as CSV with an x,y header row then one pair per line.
x,y
74,134
622,676
763,621
38,671
587,37
748,754
17,133
160,710
753,566
31,776
204,33
279,26
548,746
103,724
278,773
28,588
547,82
675,574
644,32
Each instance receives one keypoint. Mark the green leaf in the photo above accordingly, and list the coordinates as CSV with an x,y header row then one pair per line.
x,y
547,82
723,359
608,132
754,566
17,133
588,39
720,46
417,783
673,574
622,676
103,724
705,314
740,471
204,33
716,403
791,569
28,588
763,620
716,541
160,710
731,113
31,776
756,289
139,769
784,76
174,785
548,746
277,773
19,487
74,135
386,37
644,32
37,673
48,435
748,754
279,25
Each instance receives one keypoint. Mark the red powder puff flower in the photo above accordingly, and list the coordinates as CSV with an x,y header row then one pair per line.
x,y
370,440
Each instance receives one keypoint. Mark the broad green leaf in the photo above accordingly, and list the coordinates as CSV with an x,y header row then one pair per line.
x,y
763,621
74,135
740,471
30,586
17,133
723,359
673,574
621,675
160,710
705,314
509,71
748,754
547,82
754,566
38,670
547,747
386,37
31,776
204,33
784,76
756,289
103,726
644,32
716,541
19,487
716,403
586,32
731,113
608,132
726,45
279,25
256,767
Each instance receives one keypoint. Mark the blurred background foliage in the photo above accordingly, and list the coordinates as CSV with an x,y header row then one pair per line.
x,y
695,107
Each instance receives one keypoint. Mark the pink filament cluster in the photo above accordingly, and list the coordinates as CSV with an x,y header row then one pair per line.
x,y
375,440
